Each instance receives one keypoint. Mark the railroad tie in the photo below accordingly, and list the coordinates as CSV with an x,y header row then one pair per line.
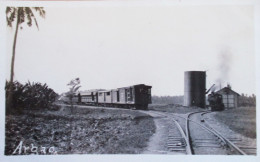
x,y
177,149
212,142
215,146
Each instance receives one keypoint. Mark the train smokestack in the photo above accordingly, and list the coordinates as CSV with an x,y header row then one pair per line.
x,y
194,88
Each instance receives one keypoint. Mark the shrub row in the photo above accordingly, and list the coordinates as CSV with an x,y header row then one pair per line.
x,y
31,95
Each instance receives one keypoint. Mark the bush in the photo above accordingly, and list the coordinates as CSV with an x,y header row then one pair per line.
x,y
31,95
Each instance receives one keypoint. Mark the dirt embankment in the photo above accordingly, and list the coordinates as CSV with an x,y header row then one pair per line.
x,y
86,131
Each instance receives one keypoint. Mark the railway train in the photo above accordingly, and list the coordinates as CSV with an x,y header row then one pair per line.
x,y
215,102
135,96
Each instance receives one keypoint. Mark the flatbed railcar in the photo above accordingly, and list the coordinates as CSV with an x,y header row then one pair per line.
x,y
136,96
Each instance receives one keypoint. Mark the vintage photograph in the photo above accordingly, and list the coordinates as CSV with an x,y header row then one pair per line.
x,y
130,78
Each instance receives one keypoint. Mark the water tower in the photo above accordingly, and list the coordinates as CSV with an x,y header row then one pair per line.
x,y
194,88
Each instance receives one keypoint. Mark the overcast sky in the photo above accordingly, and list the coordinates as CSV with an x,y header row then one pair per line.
x,y
116,46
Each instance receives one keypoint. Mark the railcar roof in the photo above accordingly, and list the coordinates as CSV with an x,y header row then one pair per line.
x,y
88,92
105,91
136,85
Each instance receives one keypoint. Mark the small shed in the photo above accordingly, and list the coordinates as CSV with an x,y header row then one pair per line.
x,y
229,97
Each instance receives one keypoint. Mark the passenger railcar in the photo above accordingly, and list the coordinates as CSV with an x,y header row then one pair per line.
x,y
136,96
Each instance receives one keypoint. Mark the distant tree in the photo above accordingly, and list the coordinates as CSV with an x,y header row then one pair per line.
x,y
74,86
20,15
247,100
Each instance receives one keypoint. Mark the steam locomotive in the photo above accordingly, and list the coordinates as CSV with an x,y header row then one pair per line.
x,y
215,102
135,96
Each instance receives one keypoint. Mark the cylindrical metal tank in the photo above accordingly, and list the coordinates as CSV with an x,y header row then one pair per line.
x,y
194,88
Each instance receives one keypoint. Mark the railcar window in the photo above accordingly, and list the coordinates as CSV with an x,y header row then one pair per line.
x,y
117,94
130,94
108,93
131,91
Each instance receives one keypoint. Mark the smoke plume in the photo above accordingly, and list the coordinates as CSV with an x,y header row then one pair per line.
x,y
224,68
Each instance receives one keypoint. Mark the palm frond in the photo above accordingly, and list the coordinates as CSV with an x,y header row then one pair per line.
x,y
8,9
21,16
40,10
29,16
10,15
24,14
32,16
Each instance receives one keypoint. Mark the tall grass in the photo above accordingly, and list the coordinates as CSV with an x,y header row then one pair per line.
x,y
241,120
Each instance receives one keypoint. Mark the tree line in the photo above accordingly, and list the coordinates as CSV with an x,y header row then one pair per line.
x,y
167,100
245,100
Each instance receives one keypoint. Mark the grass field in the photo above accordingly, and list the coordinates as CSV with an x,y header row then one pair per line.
x,y
241,120
86,131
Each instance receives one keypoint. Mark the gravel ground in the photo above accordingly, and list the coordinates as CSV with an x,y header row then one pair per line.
x,y
86,131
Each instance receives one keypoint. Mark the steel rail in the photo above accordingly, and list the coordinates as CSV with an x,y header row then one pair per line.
x,y
188,132
230,144
206,128
188,147
189,120
209,129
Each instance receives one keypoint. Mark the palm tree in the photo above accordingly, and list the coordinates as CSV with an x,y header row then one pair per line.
x,y
20,15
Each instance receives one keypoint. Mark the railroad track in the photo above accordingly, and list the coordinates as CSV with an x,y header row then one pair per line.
x,y
177,140
234,143
202,139
183,141
209,140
